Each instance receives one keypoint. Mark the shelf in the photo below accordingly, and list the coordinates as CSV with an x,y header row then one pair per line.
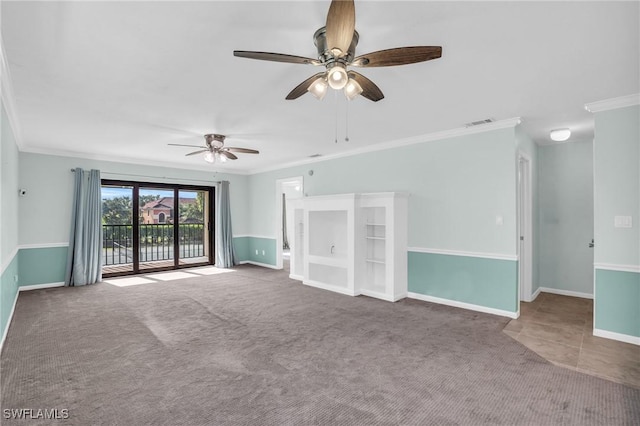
x,y
379,261
339,262
376,238
375,224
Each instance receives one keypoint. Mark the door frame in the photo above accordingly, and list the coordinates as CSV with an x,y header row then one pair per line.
x,y
210,226
280,184
525,228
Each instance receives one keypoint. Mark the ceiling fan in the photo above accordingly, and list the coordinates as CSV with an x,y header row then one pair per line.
x,y
336,43
215,149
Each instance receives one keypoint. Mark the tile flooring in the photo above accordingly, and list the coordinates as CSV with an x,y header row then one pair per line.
x,y
559,328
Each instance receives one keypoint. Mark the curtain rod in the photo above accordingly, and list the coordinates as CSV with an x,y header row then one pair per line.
x,y
156,177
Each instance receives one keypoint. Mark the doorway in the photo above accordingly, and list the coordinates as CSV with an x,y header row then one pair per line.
x,y
155,227
286,190
525,229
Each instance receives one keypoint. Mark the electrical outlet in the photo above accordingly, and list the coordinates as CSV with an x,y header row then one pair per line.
x,y
263,253
256,252
15,278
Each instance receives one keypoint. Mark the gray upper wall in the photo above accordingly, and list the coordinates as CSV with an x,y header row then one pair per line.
x,y
458,187
46,210
617,185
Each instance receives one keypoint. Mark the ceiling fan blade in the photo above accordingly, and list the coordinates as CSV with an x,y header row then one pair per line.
x,y
275,57
227,154
301,88
243,150
398,56
180,144
197,152
341,22
369,88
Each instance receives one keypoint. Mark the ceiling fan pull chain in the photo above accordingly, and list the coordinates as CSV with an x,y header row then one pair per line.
x,y
336,106
346,123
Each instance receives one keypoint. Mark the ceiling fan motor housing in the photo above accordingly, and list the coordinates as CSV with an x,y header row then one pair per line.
x,y
326,56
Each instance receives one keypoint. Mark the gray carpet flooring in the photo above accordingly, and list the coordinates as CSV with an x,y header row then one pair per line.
x,y
253,347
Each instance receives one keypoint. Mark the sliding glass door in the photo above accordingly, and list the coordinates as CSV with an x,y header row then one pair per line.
x,y
153,227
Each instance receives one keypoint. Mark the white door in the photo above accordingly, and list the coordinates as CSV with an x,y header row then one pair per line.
x,y
525,234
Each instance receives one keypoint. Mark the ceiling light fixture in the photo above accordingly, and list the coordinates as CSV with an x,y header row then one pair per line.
x,y
318,88
337,76
560,135
352,89
209,157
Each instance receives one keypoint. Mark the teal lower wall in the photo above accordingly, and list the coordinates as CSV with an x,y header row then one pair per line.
x,y
241,247
252,248
8,291
617,302
258,246
491,283
42,265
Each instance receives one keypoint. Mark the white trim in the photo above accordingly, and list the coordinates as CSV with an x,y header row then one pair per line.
x,y
10,258
6,93
6,330
44,245
429,137
278,229
329,287
634,340
566,292
296,277
39,286
254,236
613,103
136,161
264,265
535,294
497,256
549,142
462,305
615,267
524,225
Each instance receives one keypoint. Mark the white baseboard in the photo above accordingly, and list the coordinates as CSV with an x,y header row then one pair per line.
x,y
296,277
634,340
462,305
40,286
566,292
264,265
6,330
535,295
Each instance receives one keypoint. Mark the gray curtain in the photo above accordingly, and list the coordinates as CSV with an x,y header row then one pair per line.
x,y
225,253
84,259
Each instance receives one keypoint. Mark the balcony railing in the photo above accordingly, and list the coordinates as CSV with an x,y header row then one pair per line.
x,y
156,242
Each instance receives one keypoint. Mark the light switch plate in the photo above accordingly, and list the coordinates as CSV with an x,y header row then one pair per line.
x,y
622,222
499,220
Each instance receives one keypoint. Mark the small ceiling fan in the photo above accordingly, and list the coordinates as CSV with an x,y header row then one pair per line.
x,y
215,149
336,43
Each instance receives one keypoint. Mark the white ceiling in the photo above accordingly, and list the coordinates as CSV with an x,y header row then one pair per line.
x,y
121,80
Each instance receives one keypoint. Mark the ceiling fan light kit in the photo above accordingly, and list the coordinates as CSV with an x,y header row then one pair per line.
x,y
318,88
336,45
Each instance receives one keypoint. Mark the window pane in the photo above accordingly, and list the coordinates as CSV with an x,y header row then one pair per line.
x,y
117,229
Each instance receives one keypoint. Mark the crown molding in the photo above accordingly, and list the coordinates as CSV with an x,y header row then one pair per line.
x,y
125,160
413,140
552,143
6,93
613,103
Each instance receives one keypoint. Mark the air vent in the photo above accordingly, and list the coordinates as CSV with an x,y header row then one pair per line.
x,y
479,123
315,155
